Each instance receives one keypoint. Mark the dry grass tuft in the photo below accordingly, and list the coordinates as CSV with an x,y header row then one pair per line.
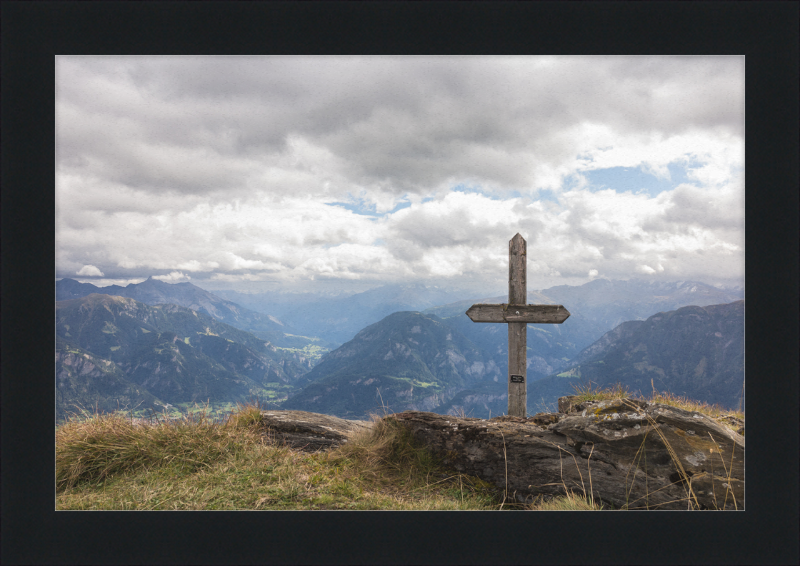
x,y
713,411
245,417
720,415
587,393
569,502
91,448
618,391
114,462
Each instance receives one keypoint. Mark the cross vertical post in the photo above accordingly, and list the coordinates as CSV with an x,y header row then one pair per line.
x,y
517,331
517,314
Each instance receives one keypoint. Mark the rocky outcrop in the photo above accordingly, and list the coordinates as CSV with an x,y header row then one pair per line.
x,y
308,431
625,453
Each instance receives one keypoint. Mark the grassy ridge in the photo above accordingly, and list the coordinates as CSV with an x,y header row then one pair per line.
x,y
111,461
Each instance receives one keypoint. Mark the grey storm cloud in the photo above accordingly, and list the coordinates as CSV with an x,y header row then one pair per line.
x,y
690,206
405,124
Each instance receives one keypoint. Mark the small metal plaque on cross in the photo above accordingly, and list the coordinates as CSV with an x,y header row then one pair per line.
x,y
517,315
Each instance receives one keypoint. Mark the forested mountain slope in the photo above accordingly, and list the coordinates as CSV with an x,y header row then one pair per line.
x,y
406,361
170,353
697,352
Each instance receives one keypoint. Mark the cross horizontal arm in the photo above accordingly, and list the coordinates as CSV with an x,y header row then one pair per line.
x,y
552,314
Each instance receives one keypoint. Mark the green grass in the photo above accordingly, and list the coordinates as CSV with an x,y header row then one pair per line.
x,y
417,382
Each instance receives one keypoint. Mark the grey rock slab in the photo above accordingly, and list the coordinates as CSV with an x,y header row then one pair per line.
x,y
309,431
630,455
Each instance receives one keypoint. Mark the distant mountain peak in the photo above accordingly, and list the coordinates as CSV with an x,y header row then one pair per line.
x,y
151,281
154,292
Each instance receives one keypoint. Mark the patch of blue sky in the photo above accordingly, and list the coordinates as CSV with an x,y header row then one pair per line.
x,y
546,194
737,170
400,206
635,179
477,190
365,208
570,182
377,242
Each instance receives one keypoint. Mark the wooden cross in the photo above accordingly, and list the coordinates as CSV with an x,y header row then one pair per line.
x,y
517,314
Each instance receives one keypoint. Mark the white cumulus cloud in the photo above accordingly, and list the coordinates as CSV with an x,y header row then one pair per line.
x,y
173,277
89,270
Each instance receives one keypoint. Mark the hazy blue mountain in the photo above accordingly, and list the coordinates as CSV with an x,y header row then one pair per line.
x,y
173,353
180,373
550,346
605,304
406,361
339,319
595,308
363,371
693,351
697,352
70,289
155,292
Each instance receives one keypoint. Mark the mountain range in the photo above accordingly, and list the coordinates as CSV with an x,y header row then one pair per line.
x,y
154,292
696,352
418,361
339,319
595,308
93,383
437,359
162,354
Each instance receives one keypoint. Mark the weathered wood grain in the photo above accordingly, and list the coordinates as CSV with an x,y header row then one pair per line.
x,y
517,331
517,362
504,312
517,270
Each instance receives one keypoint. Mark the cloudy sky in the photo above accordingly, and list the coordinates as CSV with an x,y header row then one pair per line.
x,y
343,173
